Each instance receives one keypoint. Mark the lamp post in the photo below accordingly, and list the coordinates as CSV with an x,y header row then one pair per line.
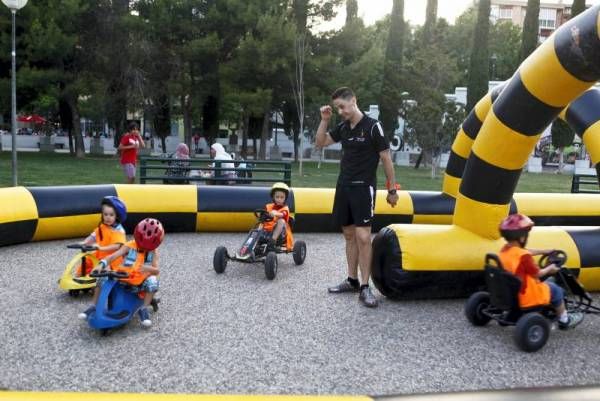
x,y
14,5
494,58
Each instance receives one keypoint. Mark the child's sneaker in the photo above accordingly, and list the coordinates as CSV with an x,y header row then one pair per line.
x,y
145,317
84,315
574,319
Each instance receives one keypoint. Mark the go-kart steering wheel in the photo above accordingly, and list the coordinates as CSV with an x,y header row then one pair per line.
x,y
556,257
262,215
83,247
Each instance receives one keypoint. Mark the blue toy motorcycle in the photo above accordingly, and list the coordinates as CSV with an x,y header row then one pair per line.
x,y
117,303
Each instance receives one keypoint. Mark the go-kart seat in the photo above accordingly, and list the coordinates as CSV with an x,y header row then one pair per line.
x,y
503,286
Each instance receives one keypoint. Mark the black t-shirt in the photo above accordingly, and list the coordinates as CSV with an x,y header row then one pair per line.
x,y
360,150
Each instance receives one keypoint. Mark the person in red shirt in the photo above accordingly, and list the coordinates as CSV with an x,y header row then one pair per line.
x,y
281,214
129,145
518,260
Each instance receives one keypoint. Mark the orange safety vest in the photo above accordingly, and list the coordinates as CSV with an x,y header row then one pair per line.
x,y
132,263
110,236
269,225
533,292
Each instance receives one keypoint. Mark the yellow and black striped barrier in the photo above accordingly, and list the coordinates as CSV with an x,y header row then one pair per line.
x,y
45,213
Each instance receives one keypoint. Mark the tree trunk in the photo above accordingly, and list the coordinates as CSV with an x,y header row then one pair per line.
x,y
245,136
419,160
186,106
561,159
254,148
79,145
434,163
264,136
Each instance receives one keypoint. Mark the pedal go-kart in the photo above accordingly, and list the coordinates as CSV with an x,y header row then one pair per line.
x,y
117,302
75,278
255,248
501,304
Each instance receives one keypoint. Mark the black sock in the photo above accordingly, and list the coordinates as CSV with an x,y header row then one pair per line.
x,y
362,287
353,282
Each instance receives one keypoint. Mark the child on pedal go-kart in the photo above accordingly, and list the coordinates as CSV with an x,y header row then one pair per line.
x,y
519,261
278,227
109,235
140,261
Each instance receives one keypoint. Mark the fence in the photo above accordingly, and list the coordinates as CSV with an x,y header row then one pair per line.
x,y
584,179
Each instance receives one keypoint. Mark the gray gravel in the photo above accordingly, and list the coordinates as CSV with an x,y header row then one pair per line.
x,y
239,333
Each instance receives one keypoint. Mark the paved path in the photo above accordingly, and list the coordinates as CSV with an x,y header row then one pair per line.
x,y
239,333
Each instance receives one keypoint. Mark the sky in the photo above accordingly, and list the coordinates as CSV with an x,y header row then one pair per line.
x,y
414,11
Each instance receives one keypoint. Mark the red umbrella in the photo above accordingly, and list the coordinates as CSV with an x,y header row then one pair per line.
x,y
33,118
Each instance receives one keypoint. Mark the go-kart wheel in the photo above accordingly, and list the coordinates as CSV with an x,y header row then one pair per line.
x,y
532,332
475,306
220,259
271,265
74,293
299,252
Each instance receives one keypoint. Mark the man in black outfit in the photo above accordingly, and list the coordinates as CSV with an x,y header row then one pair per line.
x,y
363,145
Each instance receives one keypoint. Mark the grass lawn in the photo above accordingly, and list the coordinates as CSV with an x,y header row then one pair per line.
x,y
36,169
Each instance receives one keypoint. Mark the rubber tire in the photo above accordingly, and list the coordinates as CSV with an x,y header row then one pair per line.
x,y
154,305
220,259
299,251
74,293
532,332
473,307
271,265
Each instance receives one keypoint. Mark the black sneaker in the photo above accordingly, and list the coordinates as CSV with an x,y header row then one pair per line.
x,y
574,319
344,286
367,297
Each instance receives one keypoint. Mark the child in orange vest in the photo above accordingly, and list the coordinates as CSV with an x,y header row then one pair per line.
x,y
281,215
109,235
140,261
518,260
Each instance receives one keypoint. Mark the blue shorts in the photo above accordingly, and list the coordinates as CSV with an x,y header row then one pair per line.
x,y
557,294
149,285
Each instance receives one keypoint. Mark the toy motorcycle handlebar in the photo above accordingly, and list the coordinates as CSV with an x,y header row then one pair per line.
x,y
83,247
109,273
557,257
262,215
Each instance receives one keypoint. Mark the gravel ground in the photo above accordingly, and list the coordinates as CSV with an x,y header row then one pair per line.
x,y
239,333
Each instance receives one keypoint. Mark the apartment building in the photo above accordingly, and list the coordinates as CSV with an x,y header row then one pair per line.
x,y
552,14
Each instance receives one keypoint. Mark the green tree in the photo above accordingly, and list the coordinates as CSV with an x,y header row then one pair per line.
x,y
392,85
562,136
505,38
479,62
577,8
351,11
530,28
430,120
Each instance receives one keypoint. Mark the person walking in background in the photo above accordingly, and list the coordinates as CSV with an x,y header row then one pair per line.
x,y
128,147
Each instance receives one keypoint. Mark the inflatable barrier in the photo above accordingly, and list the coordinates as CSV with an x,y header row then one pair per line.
x,y
488,156
45,213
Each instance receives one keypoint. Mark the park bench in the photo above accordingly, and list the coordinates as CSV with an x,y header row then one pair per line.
x,y
589,180
161,169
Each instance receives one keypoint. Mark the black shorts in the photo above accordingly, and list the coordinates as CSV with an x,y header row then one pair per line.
x,y
354,205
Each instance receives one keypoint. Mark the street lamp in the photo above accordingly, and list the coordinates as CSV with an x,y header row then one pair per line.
x,y
14,5
494,58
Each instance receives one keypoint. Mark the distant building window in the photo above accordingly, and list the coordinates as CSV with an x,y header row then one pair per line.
x,y
505,13
547,18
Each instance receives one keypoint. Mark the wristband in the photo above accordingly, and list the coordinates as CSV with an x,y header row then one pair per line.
x,y
388,186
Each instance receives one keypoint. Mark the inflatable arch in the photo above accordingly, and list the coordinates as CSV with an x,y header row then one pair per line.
x,y
446,260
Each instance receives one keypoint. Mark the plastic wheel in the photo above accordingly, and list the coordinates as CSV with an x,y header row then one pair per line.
x,y
220,259
299,251
475,306
271,265
532,332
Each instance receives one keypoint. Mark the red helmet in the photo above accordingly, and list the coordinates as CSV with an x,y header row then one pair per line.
x,y
148,234
516,222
